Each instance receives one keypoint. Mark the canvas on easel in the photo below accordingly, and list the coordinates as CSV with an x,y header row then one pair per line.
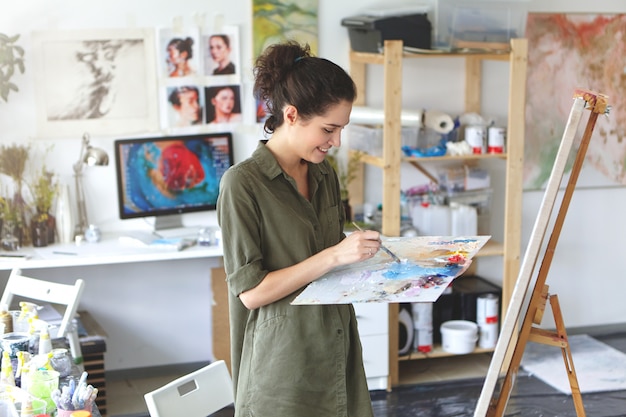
x,y
488,405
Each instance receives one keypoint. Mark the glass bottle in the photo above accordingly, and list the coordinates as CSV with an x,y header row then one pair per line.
x,y
61,362
63,213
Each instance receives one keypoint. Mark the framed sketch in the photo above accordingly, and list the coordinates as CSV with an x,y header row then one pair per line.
x,y
97,81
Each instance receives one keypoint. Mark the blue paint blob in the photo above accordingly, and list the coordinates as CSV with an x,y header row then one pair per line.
x,y
407,270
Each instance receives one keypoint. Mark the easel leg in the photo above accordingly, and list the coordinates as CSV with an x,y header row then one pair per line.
x,y
567,356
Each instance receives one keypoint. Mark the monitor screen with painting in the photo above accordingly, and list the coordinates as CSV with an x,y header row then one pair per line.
x,y
168,176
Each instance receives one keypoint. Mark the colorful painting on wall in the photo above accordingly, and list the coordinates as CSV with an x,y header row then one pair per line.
x,y
275,21
566,52
427,266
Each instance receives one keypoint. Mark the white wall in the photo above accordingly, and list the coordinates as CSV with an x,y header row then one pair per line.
x,y
584,272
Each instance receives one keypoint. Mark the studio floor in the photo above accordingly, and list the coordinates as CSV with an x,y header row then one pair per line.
x,y
445,387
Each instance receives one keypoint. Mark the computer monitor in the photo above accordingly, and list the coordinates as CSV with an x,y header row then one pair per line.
x,y
168,176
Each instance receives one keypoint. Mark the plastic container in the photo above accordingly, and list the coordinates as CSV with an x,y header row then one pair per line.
x,y
7,409
369,138
369,31
487,24
459,336
15,342
431,219
31,406
481,201
463,220
73,413
42,384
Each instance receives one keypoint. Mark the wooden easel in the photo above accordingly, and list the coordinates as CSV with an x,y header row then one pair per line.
x,y
488,406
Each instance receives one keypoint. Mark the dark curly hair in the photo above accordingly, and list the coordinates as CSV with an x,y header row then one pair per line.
x,y
287,74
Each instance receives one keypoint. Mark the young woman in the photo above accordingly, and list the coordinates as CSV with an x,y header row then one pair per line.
x,y
282,227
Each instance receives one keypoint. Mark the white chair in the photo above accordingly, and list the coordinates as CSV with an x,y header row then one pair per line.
x,y
50,292
197,394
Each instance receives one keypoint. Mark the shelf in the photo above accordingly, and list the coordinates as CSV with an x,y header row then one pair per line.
x,y
374,58
392,157
438,352
491,248
379,161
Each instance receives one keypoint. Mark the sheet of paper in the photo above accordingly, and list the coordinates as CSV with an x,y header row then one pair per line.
x,y
429,264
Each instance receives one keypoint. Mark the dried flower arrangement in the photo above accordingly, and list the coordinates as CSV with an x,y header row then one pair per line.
x,y
16,210
43,190
12,164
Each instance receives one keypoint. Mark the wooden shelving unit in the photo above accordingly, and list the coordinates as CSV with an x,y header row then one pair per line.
x,y
392,59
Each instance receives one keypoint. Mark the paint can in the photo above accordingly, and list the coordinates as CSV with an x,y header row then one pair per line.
x,y
496,138
459,336
487,312
423,322
475,138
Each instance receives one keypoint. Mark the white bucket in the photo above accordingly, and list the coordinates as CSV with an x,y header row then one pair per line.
x,y
459,336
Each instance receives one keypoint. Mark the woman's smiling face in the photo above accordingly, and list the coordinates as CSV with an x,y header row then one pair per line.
x,y
313,138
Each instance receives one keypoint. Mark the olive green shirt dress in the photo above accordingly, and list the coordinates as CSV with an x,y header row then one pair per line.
x,y
287,360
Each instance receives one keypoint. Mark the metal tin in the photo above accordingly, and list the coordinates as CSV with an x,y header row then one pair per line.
x,y
487,309
423,323
475,138
488,335
424,340
496,138
487,313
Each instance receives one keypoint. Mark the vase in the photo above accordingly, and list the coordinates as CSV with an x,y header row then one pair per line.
x,y
18,233
52,228
9,242
39,232
21,231
63,214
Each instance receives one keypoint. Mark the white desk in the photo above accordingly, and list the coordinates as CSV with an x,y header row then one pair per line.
x,y
108,251
158,307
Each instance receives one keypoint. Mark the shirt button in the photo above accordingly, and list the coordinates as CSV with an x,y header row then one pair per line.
x,y
339,331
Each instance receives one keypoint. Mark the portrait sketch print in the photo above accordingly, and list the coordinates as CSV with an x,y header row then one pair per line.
x,y
223,104
179,52
184,104
221,53
101,81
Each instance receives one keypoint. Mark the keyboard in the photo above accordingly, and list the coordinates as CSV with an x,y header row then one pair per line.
x,y
187,232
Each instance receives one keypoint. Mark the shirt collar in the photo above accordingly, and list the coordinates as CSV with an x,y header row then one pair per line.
x,y
271,169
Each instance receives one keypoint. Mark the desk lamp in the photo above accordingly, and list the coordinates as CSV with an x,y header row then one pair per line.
x,y
89,156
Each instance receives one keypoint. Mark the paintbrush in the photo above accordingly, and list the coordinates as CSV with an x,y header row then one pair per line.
x,y
383,247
